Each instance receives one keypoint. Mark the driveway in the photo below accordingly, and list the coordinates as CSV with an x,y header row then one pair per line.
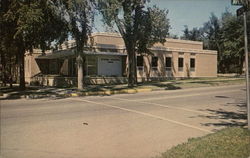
x,y
118,126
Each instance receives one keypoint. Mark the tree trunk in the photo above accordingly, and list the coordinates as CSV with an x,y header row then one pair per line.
x,y
80,78
21,68
11,76
135,68
132,77
3,68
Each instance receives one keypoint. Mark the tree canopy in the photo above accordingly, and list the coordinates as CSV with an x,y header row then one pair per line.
x,y
139,26
224,34
29,24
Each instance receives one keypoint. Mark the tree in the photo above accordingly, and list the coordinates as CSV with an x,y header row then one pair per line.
x,y
195,34
213,37
225,35
30,24
81,16
233,42
140,27
245,3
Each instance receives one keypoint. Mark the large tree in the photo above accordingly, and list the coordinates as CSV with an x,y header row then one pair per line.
x,y
225,35
195,34
30,24
81,16
140,27
212,37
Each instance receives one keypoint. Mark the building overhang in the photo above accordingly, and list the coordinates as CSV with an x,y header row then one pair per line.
x,y
69,53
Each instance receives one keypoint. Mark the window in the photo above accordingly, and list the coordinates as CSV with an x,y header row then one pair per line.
x,y
139,61
168,63
192,64
154,62
180,64
92,65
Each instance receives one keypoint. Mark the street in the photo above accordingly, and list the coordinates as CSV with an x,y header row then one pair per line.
x,y
117,126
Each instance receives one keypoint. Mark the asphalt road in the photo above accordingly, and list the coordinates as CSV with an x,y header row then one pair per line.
x,y
118,126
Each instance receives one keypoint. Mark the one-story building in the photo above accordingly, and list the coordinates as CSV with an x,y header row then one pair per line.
x,y
106,62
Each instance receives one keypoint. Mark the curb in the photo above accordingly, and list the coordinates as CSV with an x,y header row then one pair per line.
x,y
110,92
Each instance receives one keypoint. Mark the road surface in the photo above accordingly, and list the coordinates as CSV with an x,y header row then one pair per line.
x,y
117,126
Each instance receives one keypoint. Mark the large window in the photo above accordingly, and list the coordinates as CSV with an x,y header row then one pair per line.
x,y
192,64
139,61
91,65
180,64
168,63
154,62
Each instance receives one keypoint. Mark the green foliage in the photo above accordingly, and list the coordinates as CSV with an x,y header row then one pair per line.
x,y
226,35
29,24
80,15
34,23
154,28
139,26
145,26
227,143
195,34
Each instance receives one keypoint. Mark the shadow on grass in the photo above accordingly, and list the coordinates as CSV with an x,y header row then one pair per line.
x,y
165,86
32,93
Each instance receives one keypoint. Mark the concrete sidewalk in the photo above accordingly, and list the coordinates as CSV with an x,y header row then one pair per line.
x,y
33,92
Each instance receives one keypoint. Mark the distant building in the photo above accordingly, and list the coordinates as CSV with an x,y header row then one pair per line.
x,y
106,62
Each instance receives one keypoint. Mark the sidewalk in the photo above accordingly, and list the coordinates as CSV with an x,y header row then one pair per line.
x,y
34,92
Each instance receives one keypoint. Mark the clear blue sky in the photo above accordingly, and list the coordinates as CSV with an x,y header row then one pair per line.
x,y
192,13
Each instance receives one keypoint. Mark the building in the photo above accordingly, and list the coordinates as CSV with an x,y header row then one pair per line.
x,y
106,62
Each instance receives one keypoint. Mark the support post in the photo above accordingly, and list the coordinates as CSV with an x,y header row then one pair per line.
x,y
247,68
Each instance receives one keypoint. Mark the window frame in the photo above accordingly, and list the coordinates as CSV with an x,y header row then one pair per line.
x,y
192,64
140,67
168,68
180,68
156,62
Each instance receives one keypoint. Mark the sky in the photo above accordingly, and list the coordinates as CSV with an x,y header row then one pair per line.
x,y
193,13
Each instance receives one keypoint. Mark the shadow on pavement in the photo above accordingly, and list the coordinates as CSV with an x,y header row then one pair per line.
x,y
227,118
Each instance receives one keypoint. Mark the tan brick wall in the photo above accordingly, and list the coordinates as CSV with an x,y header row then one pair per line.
x,y
116,40
205,61
206,65
30,65
203,67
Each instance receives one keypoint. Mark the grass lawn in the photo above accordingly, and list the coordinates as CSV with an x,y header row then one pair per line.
x,y
233,142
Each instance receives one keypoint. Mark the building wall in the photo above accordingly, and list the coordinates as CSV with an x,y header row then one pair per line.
x,y
205,60
176,43
206,65
30,66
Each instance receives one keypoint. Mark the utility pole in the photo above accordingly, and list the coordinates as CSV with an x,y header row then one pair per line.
x,y
243,11
247,67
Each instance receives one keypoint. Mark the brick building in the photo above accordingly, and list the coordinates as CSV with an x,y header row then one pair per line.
x,y
106,62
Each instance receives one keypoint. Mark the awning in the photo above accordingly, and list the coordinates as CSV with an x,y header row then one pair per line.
x,y
63,54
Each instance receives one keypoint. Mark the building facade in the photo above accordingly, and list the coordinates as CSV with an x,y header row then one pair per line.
x,y
106,62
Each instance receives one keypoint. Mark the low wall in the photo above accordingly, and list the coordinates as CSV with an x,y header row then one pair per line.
x,y
59,81
56,81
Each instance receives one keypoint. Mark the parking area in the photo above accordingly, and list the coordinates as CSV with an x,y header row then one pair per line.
x,y
126,125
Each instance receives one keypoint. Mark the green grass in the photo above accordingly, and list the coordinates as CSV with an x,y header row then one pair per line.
x,y
233,142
